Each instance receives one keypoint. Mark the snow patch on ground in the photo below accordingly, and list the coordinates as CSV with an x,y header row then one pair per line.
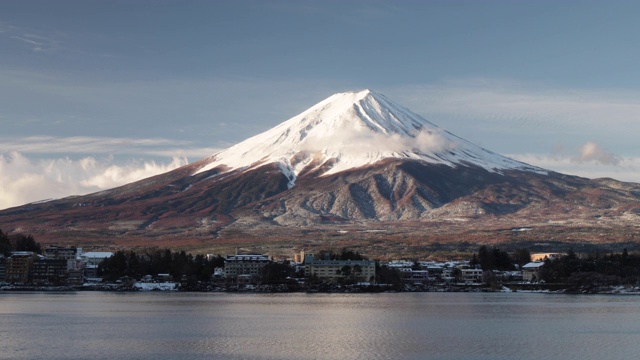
x,y
288,172
167,286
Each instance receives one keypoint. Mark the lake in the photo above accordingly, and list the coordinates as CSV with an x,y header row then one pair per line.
x,y
152,325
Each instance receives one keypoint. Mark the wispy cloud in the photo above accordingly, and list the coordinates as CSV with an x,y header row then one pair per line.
x,y
24,180
49,145
6,28
34,40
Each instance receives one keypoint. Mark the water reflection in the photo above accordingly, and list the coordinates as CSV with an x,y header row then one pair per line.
x,y
319,326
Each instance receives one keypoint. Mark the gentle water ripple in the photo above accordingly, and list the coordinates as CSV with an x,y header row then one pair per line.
x,y
319,326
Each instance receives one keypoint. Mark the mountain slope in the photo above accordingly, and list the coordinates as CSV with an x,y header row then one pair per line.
x,y
351,130
353,161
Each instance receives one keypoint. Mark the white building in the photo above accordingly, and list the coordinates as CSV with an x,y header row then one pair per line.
x,y
91,261
400,264
95,257
531,271
61,253
471,276
361,270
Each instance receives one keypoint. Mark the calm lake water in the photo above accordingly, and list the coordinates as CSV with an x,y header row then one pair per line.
x,y
100,325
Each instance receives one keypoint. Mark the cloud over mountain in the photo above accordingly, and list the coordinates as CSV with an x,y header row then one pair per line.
x,y
24,180
593,152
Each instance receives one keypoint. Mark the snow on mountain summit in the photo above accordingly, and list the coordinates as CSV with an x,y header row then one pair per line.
x,y
355,129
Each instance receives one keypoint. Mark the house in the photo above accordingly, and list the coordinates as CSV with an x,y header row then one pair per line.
x,y
434,268
471,275
415,276
531,271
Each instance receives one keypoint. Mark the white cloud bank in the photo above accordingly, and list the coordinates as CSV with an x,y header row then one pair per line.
x,y
589,160
592,152
24,180
525,121
364,141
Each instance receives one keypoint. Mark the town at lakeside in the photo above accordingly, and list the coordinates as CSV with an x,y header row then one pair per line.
x,y
26,265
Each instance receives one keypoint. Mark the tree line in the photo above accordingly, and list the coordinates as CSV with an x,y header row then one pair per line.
x,y
593,269
18,242
344,254
495,259
177,264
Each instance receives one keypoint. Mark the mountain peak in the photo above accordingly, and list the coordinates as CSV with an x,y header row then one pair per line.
x,y
361,109
353,97
356,94
355,129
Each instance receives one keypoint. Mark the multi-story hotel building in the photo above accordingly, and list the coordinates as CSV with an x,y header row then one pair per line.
x,y
18,267
361,270
61,253
252,265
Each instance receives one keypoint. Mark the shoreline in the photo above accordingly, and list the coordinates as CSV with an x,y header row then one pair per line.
x,y
275,289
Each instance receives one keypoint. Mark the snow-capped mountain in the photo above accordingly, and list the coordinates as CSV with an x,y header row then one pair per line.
x,y
353,161
351,130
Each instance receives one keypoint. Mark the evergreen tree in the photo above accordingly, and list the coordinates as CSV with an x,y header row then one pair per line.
x,y
27,243
494,259
274,273
522,257
5,244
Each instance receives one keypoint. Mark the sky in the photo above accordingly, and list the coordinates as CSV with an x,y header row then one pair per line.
x,y
96,94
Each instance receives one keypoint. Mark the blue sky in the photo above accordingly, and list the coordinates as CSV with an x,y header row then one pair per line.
x,y
94,94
